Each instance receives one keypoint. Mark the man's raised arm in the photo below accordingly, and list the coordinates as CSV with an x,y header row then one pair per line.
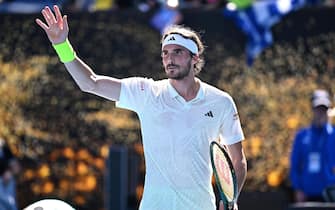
x,y
57,29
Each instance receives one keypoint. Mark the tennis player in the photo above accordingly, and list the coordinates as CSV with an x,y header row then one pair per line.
x,y
179,117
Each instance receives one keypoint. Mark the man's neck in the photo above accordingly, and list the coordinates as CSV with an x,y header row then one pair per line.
x,y
187,88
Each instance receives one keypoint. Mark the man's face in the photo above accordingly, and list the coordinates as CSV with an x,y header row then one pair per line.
x,y
320,116
177,61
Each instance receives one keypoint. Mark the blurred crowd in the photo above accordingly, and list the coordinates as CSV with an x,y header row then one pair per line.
x,y
33,6
253,17
9,168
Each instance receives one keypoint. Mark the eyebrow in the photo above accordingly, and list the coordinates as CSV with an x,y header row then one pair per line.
x,y
177,48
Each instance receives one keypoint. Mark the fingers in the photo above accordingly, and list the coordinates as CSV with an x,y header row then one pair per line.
x,y
235,206
40,23
50,14
221,206
66,25
46,17
58,13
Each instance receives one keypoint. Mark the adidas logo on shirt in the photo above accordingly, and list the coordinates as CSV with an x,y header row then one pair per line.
x,y
209,114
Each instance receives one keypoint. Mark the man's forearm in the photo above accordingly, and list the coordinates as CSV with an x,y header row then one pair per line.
x,y
82,74
88,81
240,163
241,173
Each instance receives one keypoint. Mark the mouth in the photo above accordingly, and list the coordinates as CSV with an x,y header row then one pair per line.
x,y
171,67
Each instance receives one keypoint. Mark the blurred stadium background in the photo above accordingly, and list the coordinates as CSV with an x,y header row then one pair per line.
x,y
62,136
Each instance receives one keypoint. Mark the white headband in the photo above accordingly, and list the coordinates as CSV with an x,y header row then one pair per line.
x,y
180,40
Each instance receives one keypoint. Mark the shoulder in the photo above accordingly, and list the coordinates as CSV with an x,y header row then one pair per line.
x,y
137,84
146,85
137,80
158,87
302,132
331,128
214,93
160,83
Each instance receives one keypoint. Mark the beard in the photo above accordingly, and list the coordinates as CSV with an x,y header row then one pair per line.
x,y
181,74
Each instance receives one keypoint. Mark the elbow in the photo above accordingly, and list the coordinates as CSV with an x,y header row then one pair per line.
x,y
88,86
244,165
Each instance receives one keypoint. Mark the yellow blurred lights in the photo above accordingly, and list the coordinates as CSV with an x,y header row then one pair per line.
x,y
274,178
68,153
292,122
86,184
82,168
44,171
29,174
255,144
104,151
83,154
99,163
48,187
90,183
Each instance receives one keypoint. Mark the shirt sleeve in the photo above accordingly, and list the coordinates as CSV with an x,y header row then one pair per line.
x,y
230,130
134,94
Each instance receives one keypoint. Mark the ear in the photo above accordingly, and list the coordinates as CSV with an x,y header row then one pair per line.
x,y
195,59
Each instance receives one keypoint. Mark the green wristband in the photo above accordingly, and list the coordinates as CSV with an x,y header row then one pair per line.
x,y
242,4
65,51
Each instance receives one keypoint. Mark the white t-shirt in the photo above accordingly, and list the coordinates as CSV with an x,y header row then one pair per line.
x,y
176,137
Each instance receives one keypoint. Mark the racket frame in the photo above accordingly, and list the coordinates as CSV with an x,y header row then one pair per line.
x,y
229,205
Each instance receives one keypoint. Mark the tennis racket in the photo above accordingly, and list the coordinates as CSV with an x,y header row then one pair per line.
x,y
224,173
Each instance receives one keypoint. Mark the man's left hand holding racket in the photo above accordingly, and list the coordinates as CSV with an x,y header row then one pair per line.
x,y
221,206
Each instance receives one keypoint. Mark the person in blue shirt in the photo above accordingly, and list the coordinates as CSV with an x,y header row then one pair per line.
x,y
310,157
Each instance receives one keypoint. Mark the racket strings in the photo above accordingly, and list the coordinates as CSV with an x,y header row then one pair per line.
x,y
224,173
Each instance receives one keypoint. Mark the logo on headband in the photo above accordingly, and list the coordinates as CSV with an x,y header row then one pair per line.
x,y
177,39
172,38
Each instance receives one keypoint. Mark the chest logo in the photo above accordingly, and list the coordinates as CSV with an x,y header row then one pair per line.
x,y
209,114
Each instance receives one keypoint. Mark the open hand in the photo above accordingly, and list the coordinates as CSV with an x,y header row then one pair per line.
x,y
56,26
